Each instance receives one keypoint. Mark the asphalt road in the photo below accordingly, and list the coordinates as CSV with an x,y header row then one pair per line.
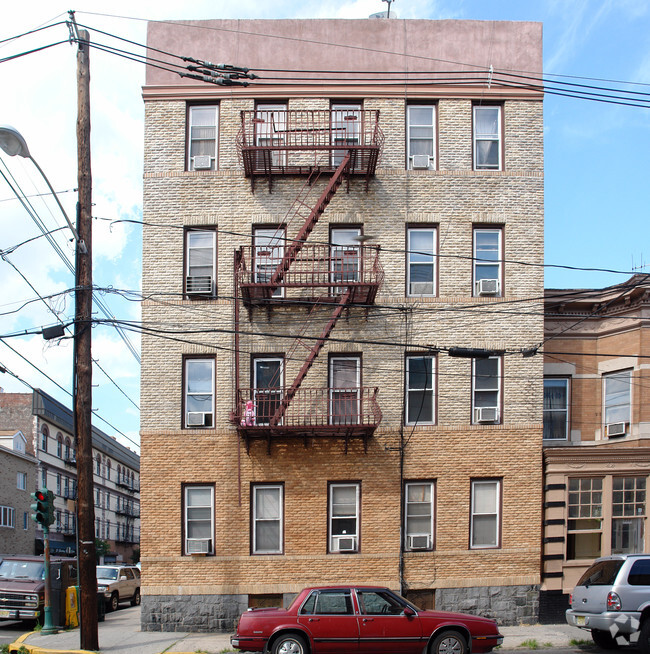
x,y
11,629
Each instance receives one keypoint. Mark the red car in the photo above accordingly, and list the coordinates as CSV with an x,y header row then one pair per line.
x,y
350,619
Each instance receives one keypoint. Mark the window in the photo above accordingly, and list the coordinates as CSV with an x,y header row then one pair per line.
x,y
488,273
421,268
628,514
199,520
345,384
45,433
268,252
268,377
421,128
267,519
486,390
202,138
420,390
108,470
270,131
44,478
617,394
25,521
346,128
487,137
344,517
328,602
556,409
485,523
7,517
67,449
21,481
59,445
98,470
344,257
201,262
58,484
199,393
585,512
379,602
418,512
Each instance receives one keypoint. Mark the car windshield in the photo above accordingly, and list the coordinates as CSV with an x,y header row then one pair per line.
x,y
106,573
602,573
22,570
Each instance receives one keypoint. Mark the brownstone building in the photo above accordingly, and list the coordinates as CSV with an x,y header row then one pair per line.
x,y
596,431
333,386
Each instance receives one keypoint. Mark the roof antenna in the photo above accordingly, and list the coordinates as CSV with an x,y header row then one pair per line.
x,y
389,3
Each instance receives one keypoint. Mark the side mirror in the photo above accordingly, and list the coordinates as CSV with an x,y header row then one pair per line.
x,y
123,578
409,612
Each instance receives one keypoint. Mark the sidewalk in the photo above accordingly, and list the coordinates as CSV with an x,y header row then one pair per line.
x,y
120,634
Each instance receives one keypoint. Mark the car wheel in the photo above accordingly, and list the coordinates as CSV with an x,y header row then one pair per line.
x,y
604,639
290,644
136,598
644,637
448,642
114,602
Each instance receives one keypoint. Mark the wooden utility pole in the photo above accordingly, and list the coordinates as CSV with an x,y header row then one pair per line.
x,y
83,361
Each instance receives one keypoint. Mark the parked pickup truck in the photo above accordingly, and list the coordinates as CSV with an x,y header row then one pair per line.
x,y
22,585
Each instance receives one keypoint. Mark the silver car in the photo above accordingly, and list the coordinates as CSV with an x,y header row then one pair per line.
x,y
118,583
612,600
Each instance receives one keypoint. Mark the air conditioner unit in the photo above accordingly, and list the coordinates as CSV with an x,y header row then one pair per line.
x,y
421,288
487,286
198,284
202,162
197,545
199,419
345,543
486,414
419,542
615,429
420,161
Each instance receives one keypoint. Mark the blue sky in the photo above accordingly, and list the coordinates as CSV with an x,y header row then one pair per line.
x,y
596,163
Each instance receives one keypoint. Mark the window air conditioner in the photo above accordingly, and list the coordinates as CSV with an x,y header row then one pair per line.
x,y
420,161
202,162
487,286
421,288
486,414
198,284
199,419
615,429
345,543
197,545
418,541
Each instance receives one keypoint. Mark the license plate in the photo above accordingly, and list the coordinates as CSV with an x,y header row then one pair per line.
x,y
6,613
580,620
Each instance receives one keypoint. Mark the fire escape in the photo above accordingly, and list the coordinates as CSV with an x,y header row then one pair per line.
x,y
328,148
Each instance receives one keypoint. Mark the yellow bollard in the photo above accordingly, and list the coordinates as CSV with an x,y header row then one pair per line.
x,y
72,607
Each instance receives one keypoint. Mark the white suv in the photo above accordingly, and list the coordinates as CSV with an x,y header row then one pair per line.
x,y
118,583
612,600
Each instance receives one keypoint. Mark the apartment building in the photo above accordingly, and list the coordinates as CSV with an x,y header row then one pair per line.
x,y
337,380
49,435
596,431
16,483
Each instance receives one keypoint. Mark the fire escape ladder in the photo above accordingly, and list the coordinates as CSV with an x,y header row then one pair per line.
x,y
315,351
296,245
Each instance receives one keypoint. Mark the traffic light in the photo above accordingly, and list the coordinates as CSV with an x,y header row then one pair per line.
x,y
43,507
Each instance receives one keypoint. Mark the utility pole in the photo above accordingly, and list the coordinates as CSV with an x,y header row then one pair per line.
x,y
83,361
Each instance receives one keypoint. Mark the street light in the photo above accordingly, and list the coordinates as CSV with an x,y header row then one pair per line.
x,y
13,143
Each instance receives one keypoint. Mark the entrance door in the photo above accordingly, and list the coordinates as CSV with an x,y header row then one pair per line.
x,y
267,392
345,376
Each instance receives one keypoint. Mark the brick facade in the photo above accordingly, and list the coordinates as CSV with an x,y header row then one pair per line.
x,y
451,453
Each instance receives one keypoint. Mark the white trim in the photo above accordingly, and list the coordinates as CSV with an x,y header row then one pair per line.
x,y
496,513
279,519
357,487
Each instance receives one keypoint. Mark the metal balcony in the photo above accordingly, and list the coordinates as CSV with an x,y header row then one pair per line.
x,y
343,413
319,272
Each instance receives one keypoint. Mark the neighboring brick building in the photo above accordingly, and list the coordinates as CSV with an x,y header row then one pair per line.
x,y
596,431
369,455
17,479
49,435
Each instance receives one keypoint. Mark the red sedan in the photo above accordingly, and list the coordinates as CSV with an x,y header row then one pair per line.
x,y
363,619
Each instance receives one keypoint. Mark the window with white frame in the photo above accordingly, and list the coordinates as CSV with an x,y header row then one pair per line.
x,y
202,137
21,481
556,408
267,518
346,129
486,390
268,252
421,269
45,433
487,137
270,132
345,390
421,128
199,520
420,390
617,394
628,515
199,393
488,264
7,517
418,513
585,518
344,517
200,262
485,525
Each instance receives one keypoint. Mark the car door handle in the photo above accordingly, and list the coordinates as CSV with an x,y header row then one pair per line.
x,y
314,619
368,619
